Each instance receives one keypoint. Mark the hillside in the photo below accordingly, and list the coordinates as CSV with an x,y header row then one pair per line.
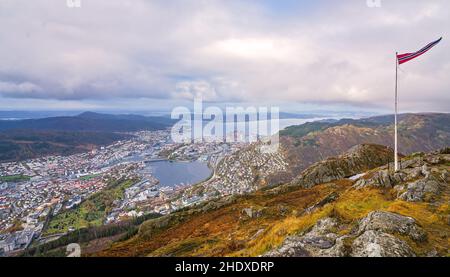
x,y
16,145
404,216
378,213
66,135
89,121
306,144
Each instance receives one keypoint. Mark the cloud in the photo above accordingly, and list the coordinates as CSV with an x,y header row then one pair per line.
x,y
325,52
18,89
195,89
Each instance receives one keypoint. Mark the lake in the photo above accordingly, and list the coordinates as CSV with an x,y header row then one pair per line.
x,y
172,173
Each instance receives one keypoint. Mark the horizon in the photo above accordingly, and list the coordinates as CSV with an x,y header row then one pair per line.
x,y
316,115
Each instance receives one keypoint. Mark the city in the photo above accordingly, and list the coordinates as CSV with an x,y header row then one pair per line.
x,y
35,194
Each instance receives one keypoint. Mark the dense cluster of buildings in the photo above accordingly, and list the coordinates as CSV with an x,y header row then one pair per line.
x,y
240,172
44,187
37,188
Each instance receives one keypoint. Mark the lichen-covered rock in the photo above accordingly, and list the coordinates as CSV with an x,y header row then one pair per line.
x,y
381,178
418,190
321,241
378,244
425,171
291,247
412,163
392,223
375,236
324,226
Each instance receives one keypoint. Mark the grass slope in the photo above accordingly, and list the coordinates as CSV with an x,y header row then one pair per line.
x,y
227,231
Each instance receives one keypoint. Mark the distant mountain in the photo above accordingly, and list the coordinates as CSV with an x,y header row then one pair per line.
x,y
66,135
16,145
284,115
17,115
90,121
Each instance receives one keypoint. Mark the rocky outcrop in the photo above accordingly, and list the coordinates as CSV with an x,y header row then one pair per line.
x,y
321,241
419,190
358,159
391,223
377,235
415,181
379,244
382,178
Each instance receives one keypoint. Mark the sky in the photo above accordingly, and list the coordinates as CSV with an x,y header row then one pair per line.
x,y
154,55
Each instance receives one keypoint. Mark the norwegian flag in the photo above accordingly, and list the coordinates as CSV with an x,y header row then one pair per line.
x,y
403,58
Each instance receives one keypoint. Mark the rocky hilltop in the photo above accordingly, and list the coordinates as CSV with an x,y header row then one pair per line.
x,y
422,185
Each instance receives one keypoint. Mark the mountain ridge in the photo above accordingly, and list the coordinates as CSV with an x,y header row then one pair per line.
x,y
67,135
306,144
90,121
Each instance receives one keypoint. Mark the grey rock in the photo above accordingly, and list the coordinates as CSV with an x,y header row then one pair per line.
x,y
378,244
381,178
415,173
374,237
425,171
324,226
338,250
433,159
251,212
320,241
399,177
392,223
417,190
290,248
411,163
432,253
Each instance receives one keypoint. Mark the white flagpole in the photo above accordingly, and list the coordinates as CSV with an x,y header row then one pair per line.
x,y
395,117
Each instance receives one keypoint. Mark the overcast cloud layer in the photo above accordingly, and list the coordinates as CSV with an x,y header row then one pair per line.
x,y
317,52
